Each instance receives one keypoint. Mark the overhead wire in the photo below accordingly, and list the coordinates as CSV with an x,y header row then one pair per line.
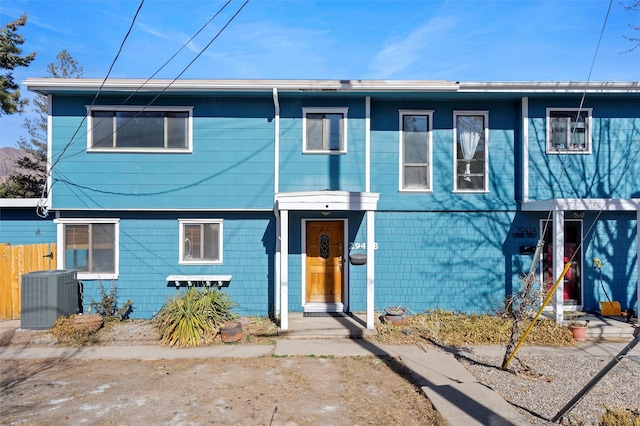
x,y
41,209
104,80
141,86
625,170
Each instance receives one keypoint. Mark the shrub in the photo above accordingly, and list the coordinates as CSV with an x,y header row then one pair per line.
x,y
619,417
66,331
107,306
194,317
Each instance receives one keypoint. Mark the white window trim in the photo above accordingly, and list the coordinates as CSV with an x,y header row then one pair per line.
x,y
485,115
325,110
116,108
60,223
401,114
589,140
183,222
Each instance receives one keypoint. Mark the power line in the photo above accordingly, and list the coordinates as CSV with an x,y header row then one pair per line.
x,y
95,98
184,45
61,155
41,209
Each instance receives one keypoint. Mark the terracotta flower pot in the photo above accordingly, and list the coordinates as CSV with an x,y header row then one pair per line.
x,y
231,332
396,316
579,332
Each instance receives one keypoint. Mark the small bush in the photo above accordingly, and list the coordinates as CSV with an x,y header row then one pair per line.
x,y
107,306
66,331
194,317
620,417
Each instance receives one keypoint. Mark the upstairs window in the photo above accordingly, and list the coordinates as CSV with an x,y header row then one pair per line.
x,y
470,134
139,129
568,131
200,241
324,130
415,150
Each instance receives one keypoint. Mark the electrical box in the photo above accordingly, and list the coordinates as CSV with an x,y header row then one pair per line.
x,y
46,296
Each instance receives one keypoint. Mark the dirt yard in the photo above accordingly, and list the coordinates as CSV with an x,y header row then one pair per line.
x,y
255,391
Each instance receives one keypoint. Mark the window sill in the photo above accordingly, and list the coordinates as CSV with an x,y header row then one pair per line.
x,y
570,152
416,191
336,152
140,151
471,191
92,276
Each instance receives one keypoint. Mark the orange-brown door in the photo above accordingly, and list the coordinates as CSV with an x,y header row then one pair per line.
x,y
324,261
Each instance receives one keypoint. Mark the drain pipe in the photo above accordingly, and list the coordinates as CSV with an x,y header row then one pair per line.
x,y
276,185
276,142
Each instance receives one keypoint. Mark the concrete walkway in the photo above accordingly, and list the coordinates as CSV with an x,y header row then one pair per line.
x,y
454,392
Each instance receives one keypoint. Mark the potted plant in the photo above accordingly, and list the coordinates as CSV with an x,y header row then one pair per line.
x,y
396,315
579,330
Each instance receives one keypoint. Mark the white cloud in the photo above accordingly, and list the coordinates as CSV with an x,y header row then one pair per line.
x,y
400,53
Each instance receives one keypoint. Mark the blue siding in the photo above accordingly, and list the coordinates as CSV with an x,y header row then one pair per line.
x,y
23,226
609,171
310,172
613,241
231,164
454,251
503,119
453,261
149,253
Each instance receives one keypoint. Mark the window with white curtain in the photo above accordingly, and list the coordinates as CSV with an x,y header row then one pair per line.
x,y
470,133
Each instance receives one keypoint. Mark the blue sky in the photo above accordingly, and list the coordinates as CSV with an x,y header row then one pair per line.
x,y
507,40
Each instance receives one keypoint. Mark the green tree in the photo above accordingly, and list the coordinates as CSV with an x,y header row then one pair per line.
x,y
11,58
30,175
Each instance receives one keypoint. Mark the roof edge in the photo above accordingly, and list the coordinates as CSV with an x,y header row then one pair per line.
x,y
50,85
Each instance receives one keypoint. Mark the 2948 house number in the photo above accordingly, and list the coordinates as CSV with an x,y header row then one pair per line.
x,y
363,246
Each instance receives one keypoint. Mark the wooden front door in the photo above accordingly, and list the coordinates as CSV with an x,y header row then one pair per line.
x,y
325,252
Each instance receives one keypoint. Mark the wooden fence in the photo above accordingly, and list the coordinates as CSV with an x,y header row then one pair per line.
x,y
18,260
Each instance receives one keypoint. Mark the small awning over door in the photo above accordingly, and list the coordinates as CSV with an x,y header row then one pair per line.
x,y
326,201
320,201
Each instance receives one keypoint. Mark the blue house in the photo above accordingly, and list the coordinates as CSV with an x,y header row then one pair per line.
x,y
346,196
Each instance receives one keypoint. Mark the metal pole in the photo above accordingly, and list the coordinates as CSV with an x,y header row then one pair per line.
x,y
598,376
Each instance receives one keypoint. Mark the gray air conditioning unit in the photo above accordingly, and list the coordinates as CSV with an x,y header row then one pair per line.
x,y
46,296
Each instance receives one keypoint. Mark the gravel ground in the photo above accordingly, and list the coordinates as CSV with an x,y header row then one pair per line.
x,y
553,380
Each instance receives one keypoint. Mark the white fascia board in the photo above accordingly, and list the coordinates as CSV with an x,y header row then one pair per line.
x,y
19,202
583,204
49,85
552,87
326,201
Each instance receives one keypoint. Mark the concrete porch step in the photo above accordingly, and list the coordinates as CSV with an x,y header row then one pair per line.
x,y
326,326
609,328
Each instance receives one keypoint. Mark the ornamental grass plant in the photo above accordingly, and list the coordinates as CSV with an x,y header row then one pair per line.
x,y
193,317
